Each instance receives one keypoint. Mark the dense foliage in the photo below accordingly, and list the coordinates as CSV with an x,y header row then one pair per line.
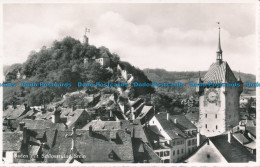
x,y
63,62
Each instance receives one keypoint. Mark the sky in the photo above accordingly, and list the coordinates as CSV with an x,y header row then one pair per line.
x,y
174,37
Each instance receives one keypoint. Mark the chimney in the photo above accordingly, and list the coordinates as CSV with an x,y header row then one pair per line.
x,y
21,126
25,106
8,122
110,114
167,116
24,135
133,116
175,120
198,139
56,116
90,131
133,133
229,136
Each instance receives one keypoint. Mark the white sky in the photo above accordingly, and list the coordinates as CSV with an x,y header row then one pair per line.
x,y
175,37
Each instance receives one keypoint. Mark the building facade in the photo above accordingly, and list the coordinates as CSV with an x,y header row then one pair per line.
x,y
219,99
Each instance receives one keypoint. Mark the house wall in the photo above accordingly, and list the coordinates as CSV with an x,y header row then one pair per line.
x,y
104,61
154,121
164,154
190,145
216,118
178,149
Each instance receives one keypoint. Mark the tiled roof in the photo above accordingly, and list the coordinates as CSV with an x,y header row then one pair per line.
x,y
122,124
12,113
219,74
183,121
144,111
241,138
77,114
95,148
12,141
248,123
232,152
99,125
153,157
43,124
251,145
193,116
155,130
252,130
47,115
172,129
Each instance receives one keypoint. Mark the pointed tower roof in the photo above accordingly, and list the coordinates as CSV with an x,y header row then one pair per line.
x,y
219,50
219,74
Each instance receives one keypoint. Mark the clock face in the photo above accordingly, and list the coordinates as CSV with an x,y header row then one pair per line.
x,y
212,95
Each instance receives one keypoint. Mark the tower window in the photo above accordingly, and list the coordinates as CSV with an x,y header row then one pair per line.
x,y
216,126
216,116
206,126
206,115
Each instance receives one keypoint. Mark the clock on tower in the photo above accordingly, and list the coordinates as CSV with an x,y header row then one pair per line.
x,y
218,106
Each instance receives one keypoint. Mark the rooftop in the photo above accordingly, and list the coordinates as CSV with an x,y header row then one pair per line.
x,y
232,152
219,73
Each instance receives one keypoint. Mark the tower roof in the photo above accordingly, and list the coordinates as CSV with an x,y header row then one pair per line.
x,y
219,73
219,50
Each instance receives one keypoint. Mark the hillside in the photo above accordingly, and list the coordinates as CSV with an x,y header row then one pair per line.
x,y
68,61
161,75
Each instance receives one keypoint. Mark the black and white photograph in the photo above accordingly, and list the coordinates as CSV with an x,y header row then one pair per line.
x,y
128,82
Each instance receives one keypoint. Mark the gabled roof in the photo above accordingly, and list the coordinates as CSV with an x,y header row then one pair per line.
x,y
135,127
219,74
12,113
12,141
43,124
78,113
183,122
99,125
241,138
144,111
172,129
95,147
232,152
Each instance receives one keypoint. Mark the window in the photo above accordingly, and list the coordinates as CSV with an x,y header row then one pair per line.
x,y
173,143
161,154
188,142
182,151
216,116
206,115
206,126
178,142
178,152
166,153
173,152
216,126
